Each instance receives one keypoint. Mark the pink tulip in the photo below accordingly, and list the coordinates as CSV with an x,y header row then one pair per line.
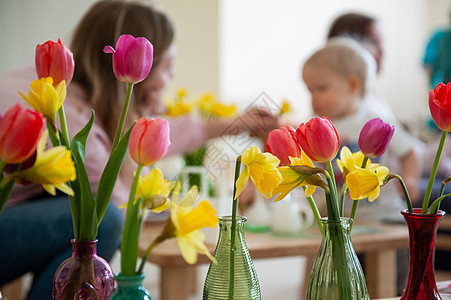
x,y
20,130
54,60
149,140
282,143
132,58
319,139
440,106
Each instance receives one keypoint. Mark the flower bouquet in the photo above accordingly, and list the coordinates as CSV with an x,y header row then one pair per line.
x,y
289,165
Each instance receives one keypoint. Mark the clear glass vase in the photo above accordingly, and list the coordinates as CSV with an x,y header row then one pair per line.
x,y
234,276
84,275
130,288
422,232
337,273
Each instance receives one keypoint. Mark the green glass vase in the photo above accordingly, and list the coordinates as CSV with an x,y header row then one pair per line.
x,y
233,276
130,288
337,273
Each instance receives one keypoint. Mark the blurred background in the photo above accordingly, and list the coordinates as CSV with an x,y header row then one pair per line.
x,y
238,49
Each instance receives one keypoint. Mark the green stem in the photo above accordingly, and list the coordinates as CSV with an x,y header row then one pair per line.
x,y
128,259
333,213
120,125
427,195
315,211
330,170
355,203
4,194
342,198
155,242
63,123
233,230
406,193
131,198
2,165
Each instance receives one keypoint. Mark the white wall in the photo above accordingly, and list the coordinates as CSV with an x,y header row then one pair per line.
x,y
264,44
240,48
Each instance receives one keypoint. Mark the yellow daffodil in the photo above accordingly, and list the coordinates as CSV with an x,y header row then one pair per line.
x,y
286,108
178,109
210,106
363,183
178,106
45,98
292,179
188,222
262,169
349,161
222,110
52,168
154,190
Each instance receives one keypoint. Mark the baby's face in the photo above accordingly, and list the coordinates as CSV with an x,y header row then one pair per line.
x,y
332,95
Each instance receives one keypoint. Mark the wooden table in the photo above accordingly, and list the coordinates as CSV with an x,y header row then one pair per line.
x,y
379,244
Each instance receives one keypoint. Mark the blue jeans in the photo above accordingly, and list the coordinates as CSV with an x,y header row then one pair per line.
x,y
35,237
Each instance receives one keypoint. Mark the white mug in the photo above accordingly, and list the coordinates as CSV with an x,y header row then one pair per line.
x,y
290,217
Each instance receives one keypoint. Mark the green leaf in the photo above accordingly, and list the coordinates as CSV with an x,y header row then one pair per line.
x,y
130,240
79,141
433,209
82,203
88,215
110,174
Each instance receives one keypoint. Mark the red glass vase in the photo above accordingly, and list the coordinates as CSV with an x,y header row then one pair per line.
x,y
84,275
422,232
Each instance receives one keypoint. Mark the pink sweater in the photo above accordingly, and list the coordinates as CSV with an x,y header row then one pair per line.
x,y
98,144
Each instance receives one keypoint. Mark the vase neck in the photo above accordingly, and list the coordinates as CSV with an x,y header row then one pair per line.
x,y
343,223
129,281
84,249
225,223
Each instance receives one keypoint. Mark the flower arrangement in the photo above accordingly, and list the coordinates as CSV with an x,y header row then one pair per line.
x,y
25,159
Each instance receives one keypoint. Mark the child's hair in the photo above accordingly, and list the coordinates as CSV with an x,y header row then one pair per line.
x,y
345,57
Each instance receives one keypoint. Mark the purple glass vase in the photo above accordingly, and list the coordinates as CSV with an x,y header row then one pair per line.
x,y
422,232
84,275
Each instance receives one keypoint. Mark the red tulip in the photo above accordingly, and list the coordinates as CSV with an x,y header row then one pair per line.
x,y
20,130
132,58
440,106
282,143
149,140
54,60
319,139
375,137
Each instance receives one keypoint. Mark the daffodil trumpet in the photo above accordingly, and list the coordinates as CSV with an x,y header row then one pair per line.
x,y
355,203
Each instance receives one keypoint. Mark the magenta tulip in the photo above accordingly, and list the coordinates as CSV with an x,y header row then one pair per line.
x,y
132,58
440,106
319,139
375,137
149,140
282,143
20,130
54,60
